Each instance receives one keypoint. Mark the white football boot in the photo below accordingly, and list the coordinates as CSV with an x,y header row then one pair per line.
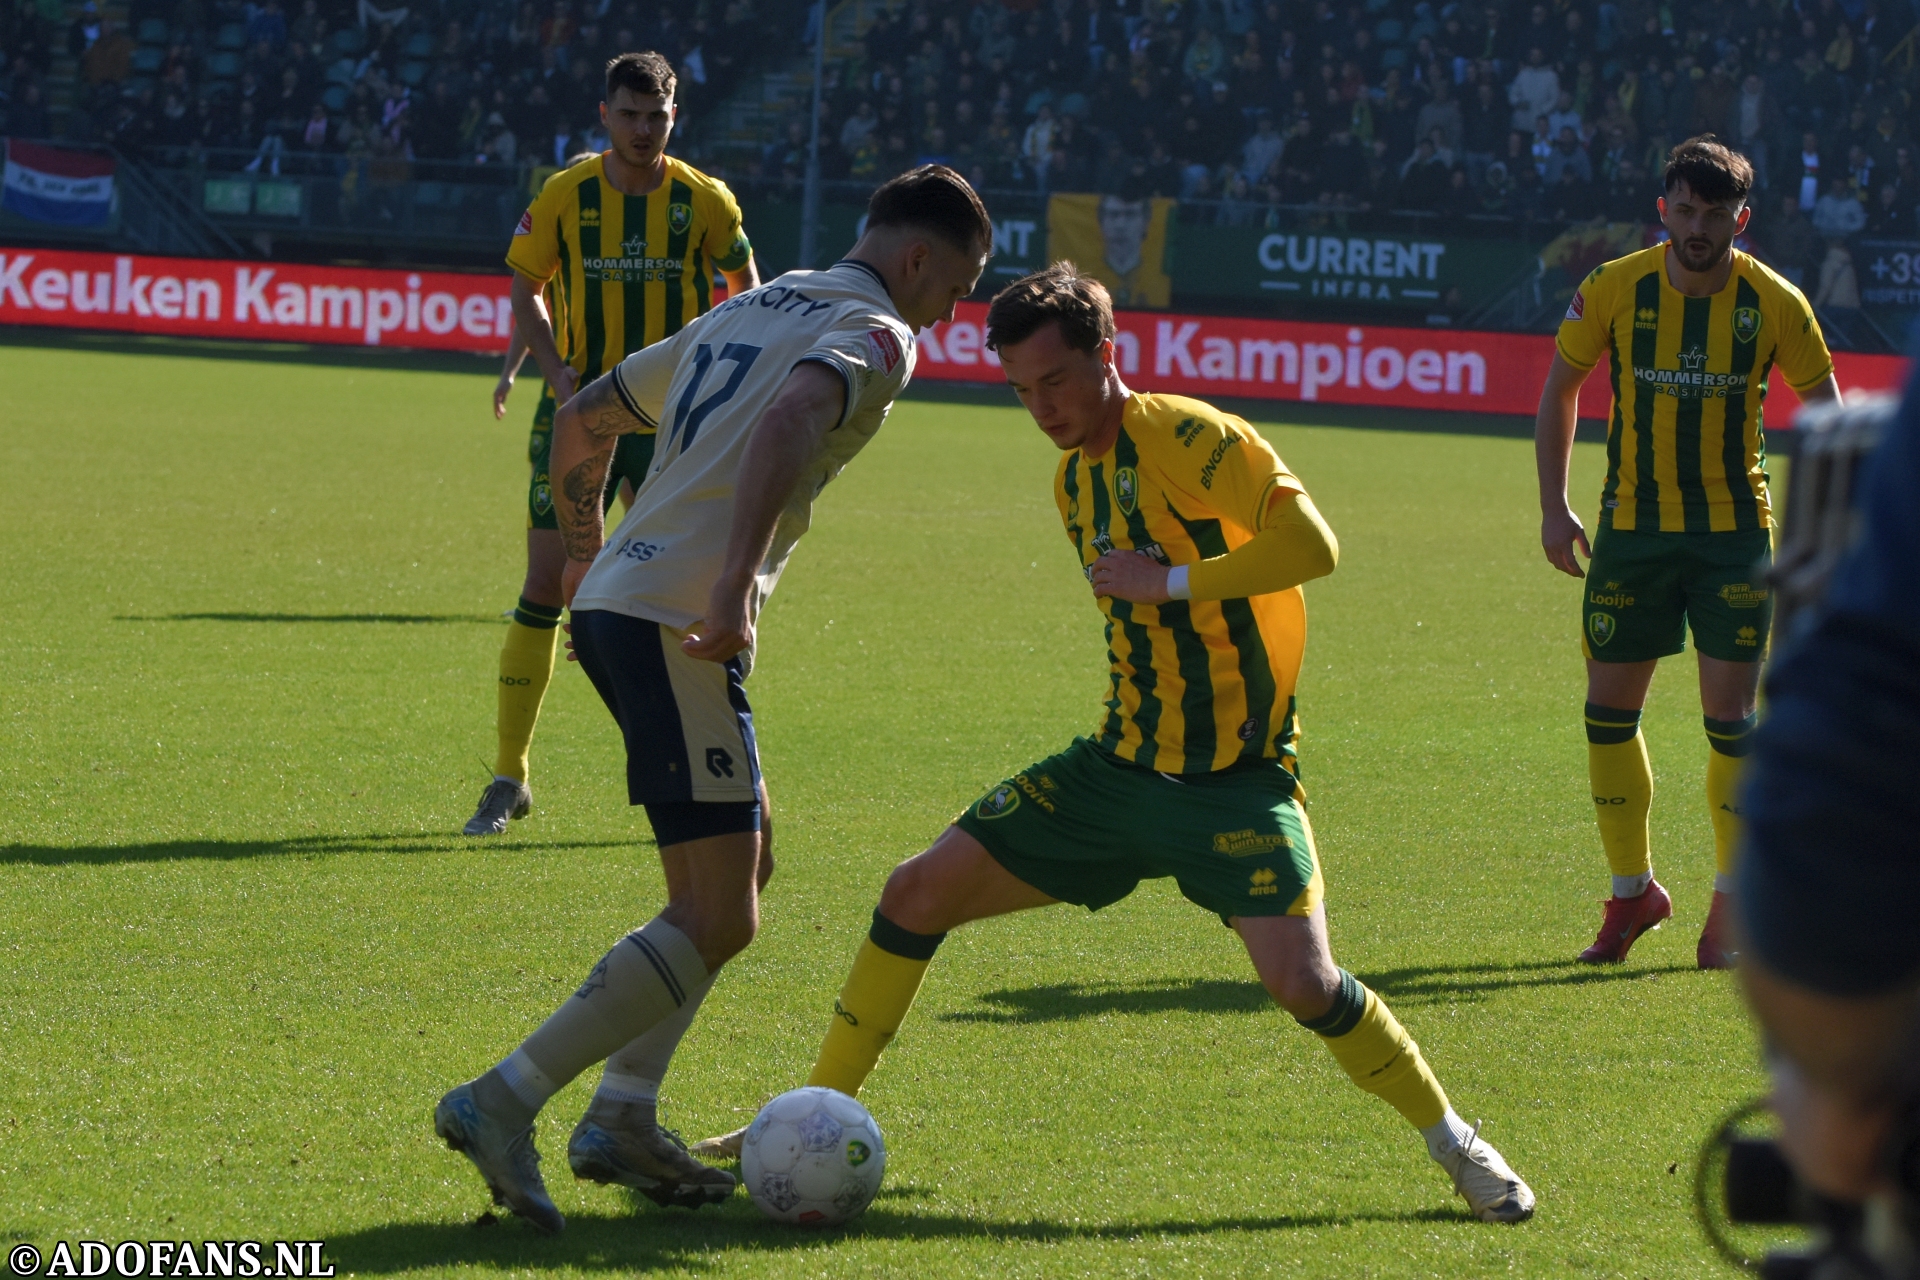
x,y
505,1158
1492,1190
725,1147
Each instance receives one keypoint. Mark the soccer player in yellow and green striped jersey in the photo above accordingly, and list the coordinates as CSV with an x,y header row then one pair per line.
x,y
1195,539
1693,328
615,253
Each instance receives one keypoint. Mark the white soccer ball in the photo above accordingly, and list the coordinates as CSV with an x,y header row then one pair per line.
x,y
813,1157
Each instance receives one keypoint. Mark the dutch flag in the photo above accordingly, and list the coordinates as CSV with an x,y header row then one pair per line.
x,y
72,188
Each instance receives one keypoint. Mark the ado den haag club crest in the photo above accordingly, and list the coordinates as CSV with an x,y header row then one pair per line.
x,y
1126,490
1600,627
999,802
679,217
1746,323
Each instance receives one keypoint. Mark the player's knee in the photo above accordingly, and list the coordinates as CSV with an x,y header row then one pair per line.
x,y
1306,991
910,900
719,934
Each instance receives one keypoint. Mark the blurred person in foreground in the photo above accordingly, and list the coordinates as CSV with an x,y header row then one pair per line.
x,y
1830,875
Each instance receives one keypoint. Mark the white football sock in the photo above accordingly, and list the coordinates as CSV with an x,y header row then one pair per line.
x,y
635,1072
1450,1133
646,978
1632,886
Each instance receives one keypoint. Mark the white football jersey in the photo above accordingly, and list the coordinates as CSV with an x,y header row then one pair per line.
x,y
704,390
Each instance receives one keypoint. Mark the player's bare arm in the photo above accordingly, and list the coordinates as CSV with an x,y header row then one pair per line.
x,y
1825,391
531,322
747,277
810,403
509,370
584,432
1560,529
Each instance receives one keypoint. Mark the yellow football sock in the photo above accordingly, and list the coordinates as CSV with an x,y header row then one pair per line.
x,y
1731,740
1622,787
886,977
526,667
1378,1054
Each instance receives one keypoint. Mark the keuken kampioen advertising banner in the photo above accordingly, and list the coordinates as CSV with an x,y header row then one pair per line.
x,y
1195,355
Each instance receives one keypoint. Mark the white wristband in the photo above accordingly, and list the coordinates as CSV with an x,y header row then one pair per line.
x,y
1177,583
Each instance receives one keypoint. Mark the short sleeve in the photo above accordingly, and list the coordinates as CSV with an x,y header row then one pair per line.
x,y
642,379
1583,330
875,362
1801,350
726,241
534,251
1230,470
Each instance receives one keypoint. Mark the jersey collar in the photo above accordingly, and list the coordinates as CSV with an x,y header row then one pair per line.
x,y
858,265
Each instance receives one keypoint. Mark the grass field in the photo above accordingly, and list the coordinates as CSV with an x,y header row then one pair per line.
x,y
251,630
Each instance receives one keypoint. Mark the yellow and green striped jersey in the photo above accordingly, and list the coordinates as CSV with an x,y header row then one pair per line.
x,y
1685,447
626,271
1196,685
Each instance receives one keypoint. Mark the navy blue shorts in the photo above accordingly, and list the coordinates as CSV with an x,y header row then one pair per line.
x,y
687,725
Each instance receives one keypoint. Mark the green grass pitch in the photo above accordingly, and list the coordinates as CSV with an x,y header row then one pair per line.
x,y
254,609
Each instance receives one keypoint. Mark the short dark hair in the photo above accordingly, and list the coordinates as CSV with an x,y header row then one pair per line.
x,y
646,73
1059,294
1715,172
933,198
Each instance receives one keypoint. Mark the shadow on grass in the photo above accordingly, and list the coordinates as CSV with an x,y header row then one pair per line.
x,y
403,618
650,1239
51,855
1071,1001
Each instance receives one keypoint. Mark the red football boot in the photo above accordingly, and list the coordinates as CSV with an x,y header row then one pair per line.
x,y
1625,921
1713,952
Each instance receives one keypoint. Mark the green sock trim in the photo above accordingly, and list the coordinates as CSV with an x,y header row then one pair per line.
x,y
1610,726
1348,1007
1731,737
904,943
541,617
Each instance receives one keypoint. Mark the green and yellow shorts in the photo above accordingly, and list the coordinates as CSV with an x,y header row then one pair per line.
x,y
1644,590
632,455
1087,827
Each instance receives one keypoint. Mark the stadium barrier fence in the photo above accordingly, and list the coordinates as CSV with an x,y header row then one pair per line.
x,y
1429,368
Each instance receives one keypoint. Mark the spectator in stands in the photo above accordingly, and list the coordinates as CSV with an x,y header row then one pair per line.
x,y
1484,129
1534,91
84,31
1837,214
1886,217
1837,297
1806,183
1751,123
1564,116
27,113
1443,113
1790,243
1422,179
1568,154
1262,151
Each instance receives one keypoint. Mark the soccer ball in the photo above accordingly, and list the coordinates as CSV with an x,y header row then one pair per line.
x,y
813,1157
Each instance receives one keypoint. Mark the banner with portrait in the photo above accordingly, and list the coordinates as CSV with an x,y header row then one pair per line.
x,y
1120,242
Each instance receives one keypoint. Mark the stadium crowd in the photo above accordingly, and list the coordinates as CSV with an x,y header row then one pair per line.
x,y
505,83
1552,111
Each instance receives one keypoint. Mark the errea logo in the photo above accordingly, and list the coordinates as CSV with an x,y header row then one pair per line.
x,y
1263,882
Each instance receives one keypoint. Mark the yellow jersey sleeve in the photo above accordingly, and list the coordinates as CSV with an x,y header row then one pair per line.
x,y
726,241
1226,468
534,251
1801,350
1582,339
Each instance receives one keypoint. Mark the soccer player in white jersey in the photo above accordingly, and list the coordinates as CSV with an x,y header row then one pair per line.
x,y
757,404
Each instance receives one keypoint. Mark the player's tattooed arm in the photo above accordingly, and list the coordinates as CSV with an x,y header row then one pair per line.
x,y
602,412
582,498
582,451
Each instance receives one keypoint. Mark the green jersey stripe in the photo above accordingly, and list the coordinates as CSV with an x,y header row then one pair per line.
x,y
1733,443
590,302
564,341
1243,632
1688,415
1646,343
1139,643
1198,734
680,196
1070,482
1614,433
